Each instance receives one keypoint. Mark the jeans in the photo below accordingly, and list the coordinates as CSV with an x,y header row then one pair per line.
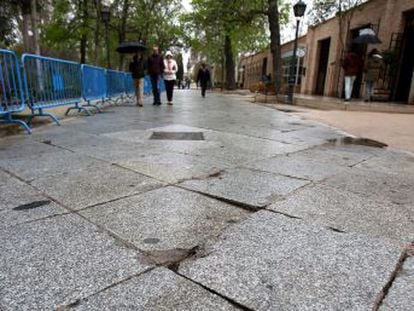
x,y
369,89
169,88
155,92
349,85
139,90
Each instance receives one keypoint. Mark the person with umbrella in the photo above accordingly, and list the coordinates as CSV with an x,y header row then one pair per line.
x,y
351,65
155,70
138,67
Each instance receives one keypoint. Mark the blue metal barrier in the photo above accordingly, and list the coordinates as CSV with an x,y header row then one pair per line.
x,y
115,84
147,86
93,84
129,85
11,89
51,82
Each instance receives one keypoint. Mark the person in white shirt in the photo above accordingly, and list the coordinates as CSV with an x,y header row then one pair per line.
x,y
170,70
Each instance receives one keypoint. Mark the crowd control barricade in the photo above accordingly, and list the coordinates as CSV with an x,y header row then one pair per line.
x,y
147,86
11,89
93,84
115,85
51,82
129,85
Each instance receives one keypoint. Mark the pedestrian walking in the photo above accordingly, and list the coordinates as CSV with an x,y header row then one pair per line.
x,y
351,65
155,70
138,67
203,79
372,69
170,70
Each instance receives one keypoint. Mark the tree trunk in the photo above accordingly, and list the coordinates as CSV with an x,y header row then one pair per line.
x,y
83,6
230,66
274,27
122,30
34,27
97,31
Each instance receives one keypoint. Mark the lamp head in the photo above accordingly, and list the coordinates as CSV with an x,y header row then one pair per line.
x,y
105,14
299,8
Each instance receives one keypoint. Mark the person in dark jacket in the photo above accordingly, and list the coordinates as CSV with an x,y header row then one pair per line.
x,y
203,79
351,64
155,70
138,67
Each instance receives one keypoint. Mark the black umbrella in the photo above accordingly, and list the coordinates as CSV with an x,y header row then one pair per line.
x,y
131,47
367,36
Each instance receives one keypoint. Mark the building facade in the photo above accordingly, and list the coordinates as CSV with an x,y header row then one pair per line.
x,y
325,44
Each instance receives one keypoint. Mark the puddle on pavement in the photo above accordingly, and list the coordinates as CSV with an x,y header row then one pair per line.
x,y
356,141
32,205
177,136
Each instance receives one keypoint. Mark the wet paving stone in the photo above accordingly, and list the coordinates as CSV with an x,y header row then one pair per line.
x,y
173,167
159,289
20,203
165,219
247,187
350,212
297,165
272,262
80,189
396,188
48,164
59,260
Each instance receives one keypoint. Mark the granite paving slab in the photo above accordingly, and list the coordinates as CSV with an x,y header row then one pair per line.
x,y
14,192
297,165
400,295
252,188
173,167
390,161
166,219
58,260
158,289
80,189
52,163
392,186
350,212
272,262
13,148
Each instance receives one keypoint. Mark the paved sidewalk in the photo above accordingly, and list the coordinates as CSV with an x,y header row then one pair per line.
x,y
211,204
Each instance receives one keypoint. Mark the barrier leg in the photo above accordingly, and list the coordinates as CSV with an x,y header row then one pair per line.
x,y
9,119
94,106
42,114
79,108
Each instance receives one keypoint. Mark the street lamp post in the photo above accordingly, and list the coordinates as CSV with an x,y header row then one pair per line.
x,y
299,10
105,17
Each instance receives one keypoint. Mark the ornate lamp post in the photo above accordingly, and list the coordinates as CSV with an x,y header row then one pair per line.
x,y
105,17
299,10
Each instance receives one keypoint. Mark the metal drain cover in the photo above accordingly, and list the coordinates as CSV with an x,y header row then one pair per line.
x,y
177,136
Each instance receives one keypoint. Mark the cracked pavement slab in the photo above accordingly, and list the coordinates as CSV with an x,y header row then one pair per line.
x,y
158,289
272,262
249,187
166,219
